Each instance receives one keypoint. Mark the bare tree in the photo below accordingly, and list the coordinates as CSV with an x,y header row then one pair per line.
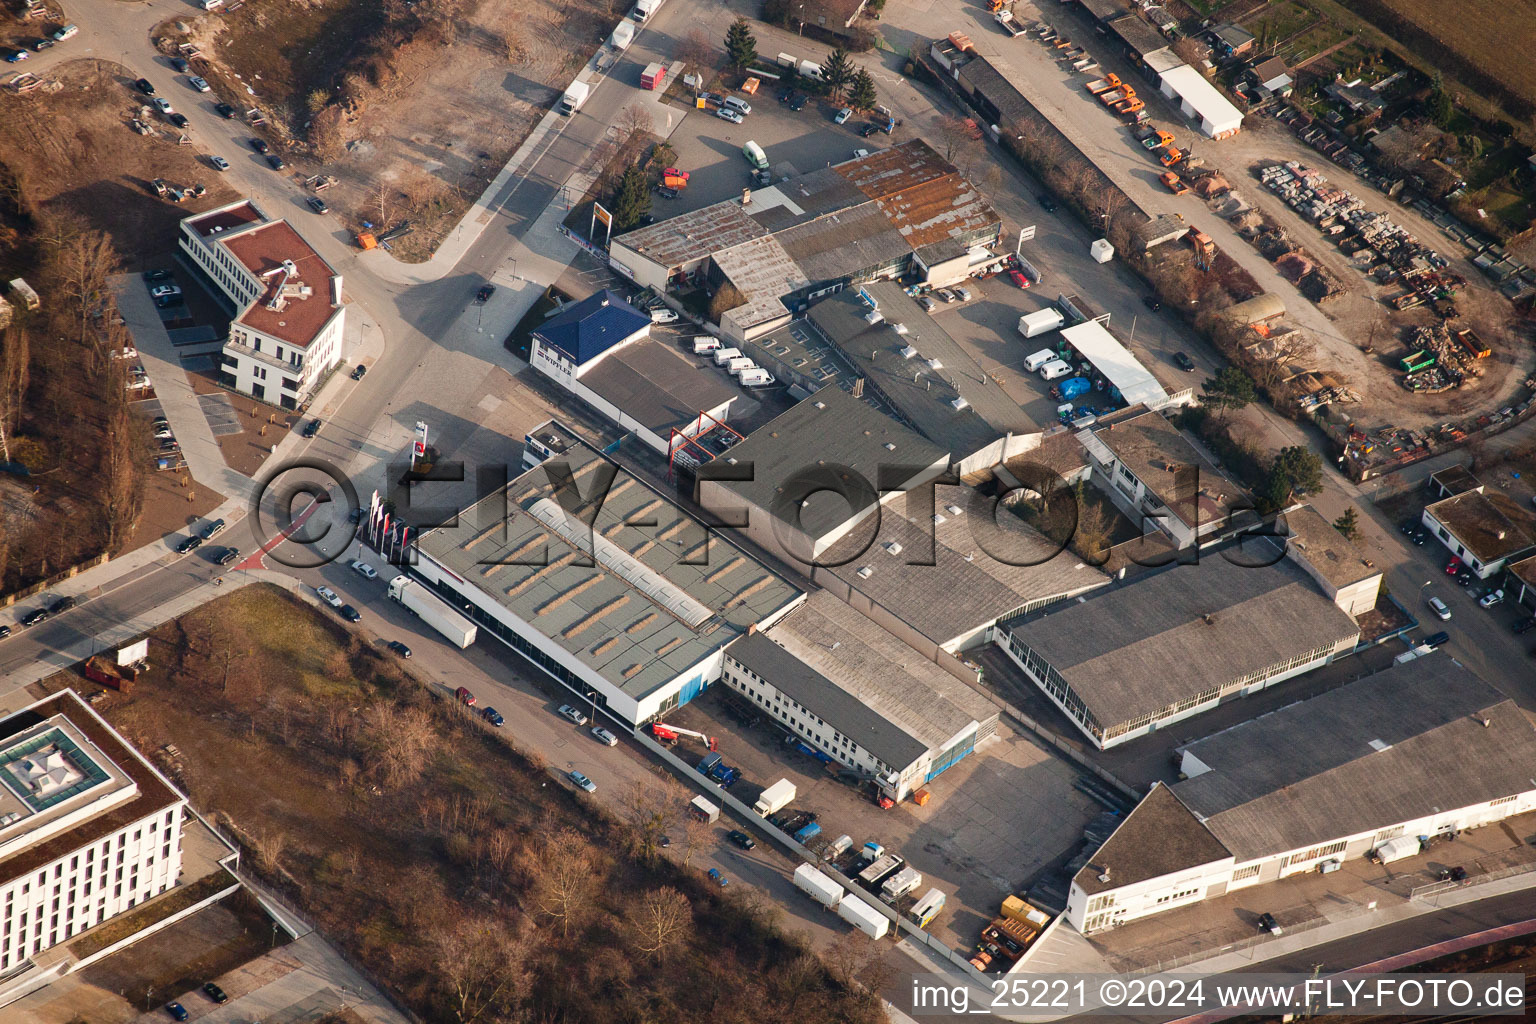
x,y
697,835
564,879
382,199
120,494
480,965
15,367
661,921
695,50
634,120
399,740
953,136
648,811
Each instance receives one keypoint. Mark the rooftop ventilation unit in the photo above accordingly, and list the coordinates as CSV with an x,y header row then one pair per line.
x,y
892,548
899,328
959,404
907,352
873,317
865,572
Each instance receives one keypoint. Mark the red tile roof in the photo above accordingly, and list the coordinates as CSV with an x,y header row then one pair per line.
x,y
264,250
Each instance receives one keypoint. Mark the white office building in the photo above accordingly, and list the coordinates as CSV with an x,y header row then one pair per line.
x,y
88,829
289,312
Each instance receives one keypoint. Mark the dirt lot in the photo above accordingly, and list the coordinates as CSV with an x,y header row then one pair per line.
x,y
75,149
417,132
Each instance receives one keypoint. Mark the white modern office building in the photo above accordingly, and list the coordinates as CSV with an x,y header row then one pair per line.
x,y
88,828
287,302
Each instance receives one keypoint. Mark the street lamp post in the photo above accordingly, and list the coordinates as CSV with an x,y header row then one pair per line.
x,y
801,18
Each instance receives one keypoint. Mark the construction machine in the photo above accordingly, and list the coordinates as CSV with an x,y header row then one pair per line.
x,y
669,734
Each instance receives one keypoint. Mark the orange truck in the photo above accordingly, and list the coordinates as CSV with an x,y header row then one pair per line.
x,y
1172,182
1102,85
1171,156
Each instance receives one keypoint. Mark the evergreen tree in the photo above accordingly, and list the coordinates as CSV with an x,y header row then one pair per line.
x,y
632,198
837,71
1295,468
1229,390
740,44
861,94
1348,524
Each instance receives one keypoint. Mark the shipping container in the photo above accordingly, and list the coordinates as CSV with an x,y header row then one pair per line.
x,y
654,76
1017,910
1397,849
818,886
863,917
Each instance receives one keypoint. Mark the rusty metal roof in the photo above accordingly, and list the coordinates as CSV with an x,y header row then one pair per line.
x,y
921,193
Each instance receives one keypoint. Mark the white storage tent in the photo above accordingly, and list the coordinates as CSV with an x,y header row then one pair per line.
x,y
1202,101
1114,361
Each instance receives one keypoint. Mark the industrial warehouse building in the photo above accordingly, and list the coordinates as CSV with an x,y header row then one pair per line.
x,y
941,576
898,210
855,692
1201,102
1476,530
88,830
600,350
1180,640
614,592
289,313
1422,749
911,366
1161,482
812,475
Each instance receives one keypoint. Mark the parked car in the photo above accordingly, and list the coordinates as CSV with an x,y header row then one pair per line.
x,y
399,648
797,101
1491,598
16,56
189,545
156,275
741,839
229,556
161,291
604,737
843,115
275,162
1152,302
215,993
1019,278
219,163
35,616
317,204
312,427
1453,567
351,614
1267,923
727,114
42,44
1182,361
179,120
163,105
465,697
719,879
358,371
145,87
178,64
329,596
200,84
1525,626
365,570
62,605
5,631
963,293
260,146
484,292
1437,640
573,714
869,130
176,1010
946,295
927,303
1439,607
1464,577
493,716
582,781
225,111
1047,203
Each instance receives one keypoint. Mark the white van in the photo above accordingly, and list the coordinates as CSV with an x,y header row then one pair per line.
x,y
725,355
702,345
737,104
67,32
1038,359
1053,369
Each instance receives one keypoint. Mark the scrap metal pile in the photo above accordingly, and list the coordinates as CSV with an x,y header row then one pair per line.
x,y
1376,244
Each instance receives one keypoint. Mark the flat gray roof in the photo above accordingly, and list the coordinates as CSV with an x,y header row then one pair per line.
x,y
944,581
640,613
1398,745
1174,633
651,381
1158,452
1159,837
901,367
1327,550
862,681
806,446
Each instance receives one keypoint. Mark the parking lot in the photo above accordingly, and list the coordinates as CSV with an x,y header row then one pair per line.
x,y
995,820
796,142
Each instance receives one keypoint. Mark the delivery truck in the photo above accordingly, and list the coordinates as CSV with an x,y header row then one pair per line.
x,y
432,610
725,355
702,810
1041,321
574,97
644,9
818,886
775,798
623,35
756,377
863,917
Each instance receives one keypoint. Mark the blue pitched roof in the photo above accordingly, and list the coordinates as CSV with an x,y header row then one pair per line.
x,y
592,326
